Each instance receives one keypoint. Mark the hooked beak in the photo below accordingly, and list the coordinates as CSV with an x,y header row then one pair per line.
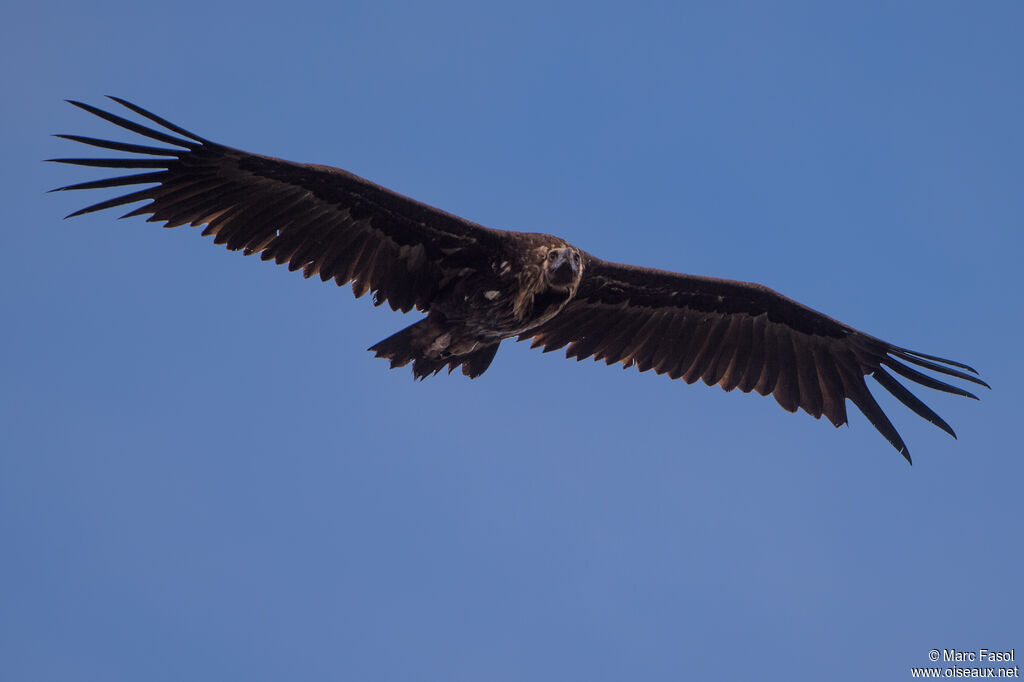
x,y
563,270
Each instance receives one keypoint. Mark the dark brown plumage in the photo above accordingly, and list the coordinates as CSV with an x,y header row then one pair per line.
x,y
479,286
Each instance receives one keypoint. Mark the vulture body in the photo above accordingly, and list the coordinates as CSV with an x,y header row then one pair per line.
x,y
479,285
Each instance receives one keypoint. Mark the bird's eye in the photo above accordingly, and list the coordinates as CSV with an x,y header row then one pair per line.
x,y
553,256
576,257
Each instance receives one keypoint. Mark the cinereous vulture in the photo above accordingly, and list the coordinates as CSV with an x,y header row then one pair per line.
x,y
479,285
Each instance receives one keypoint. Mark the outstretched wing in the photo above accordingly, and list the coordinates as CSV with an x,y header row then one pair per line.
x,y
322,220
740,335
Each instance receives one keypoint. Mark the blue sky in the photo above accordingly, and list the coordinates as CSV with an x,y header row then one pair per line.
x,y
205,476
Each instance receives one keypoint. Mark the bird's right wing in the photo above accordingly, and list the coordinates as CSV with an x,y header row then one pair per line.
x,y
322,220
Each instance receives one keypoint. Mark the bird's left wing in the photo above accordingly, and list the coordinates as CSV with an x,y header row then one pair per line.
x,y
739,335
322,220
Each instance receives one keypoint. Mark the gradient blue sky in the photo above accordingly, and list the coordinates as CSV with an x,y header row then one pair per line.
x,y
205,476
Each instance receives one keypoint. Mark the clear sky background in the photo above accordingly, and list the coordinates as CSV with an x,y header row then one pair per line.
x,y
205,476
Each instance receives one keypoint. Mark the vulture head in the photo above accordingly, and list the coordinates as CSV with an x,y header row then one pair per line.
x,y
563,268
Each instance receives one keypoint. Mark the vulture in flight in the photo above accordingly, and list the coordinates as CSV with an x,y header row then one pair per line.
x,y
479,286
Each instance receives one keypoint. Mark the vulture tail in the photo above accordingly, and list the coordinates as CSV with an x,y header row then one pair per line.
x,y
414,344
